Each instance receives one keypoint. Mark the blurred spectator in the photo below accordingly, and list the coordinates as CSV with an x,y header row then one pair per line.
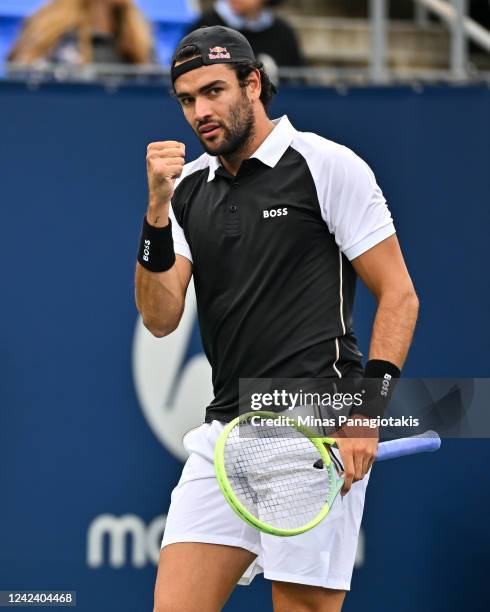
x,y
272,38
79,32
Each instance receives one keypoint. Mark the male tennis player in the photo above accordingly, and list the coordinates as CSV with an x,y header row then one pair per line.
x,y
274,224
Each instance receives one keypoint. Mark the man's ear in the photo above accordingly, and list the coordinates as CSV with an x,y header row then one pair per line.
x,y
255,85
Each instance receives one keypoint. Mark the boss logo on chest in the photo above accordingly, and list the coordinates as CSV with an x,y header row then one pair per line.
x,y
274,212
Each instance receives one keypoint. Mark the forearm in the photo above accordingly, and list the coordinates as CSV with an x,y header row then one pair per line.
x,y
159,295
159,299
393,327
161,279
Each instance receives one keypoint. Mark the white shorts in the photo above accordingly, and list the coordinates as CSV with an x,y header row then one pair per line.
x,y
323,556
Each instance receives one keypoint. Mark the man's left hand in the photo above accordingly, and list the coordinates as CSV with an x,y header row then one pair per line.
x,y
358,446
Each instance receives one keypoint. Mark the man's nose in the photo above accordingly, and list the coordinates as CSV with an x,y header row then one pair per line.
x,y
202,108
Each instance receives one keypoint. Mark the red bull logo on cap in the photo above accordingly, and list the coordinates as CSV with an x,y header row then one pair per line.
x,y
218,53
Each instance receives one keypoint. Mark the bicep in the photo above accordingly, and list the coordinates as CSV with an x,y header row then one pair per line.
x,y
382,268
183,255
184,272
353,205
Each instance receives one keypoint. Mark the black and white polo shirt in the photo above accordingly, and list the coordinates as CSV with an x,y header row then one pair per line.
x,y
271,250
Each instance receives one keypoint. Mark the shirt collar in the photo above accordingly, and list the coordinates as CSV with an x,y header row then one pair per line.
x,y
271,150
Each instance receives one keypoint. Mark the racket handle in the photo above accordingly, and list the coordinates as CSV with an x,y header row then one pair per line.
x,y
423,443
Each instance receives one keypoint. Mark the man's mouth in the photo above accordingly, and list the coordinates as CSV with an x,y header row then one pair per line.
x,y
209,130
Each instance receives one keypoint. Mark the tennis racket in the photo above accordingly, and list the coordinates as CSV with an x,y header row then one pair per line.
x,y
280,478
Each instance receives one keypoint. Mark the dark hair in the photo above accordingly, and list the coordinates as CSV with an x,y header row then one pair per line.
x,y
268,89
242,71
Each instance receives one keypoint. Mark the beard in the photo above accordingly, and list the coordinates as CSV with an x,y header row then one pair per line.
x,y
237,133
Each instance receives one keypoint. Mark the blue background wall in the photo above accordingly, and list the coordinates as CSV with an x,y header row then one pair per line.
x,y
74,443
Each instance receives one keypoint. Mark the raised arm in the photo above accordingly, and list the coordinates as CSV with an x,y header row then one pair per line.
x,y
160,295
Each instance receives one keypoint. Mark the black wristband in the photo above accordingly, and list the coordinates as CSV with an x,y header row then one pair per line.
x,y
156,250
379,384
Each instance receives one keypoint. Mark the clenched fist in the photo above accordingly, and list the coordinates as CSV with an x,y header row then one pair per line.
x,y
164,164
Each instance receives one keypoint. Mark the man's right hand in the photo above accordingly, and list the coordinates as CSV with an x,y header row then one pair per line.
x,y
164,164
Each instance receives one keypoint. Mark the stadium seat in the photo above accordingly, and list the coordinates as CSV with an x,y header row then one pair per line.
x,y
19,8
12,12
169,19
176,11
156,10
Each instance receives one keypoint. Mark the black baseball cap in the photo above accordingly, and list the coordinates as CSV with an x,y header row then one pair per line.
x,y
216,45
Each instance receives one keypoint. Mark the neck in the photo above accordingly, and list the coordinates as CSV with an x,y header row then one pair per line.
x,y
252,14
262,128
102,18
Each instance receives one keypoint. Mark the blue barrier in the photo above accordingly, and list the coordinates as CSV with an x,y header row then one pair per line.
x,y
86,452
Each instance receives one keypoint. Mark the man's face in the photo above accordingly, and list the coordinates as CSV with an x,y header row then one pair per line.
x,y
246,7
219,111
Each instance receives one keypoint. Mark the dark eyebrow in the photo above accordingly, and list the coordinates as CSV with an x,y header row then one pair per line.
x,y
203,89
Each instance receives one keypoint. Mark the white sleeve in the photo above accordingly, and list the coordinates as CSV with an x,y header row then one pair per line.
x,y
180,243
181,247
353,205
